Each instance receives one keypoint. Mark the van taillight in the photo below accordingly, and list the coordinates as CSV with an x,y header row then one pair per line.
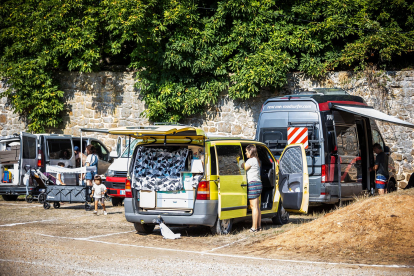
x,y
39,158
323,174
128,191
203,190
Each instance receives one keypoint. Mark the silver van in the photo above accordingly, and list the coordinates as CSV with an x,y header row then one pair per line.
x,y
37,150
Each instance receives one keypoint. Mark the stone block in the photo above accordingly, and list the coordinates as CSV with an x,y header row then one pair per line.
x,y
402,184
224,127
236,130
3,118
212,129
396,156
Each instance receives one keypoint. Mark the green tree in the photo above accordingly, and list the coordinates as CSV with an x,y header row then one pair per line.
x,y
187,52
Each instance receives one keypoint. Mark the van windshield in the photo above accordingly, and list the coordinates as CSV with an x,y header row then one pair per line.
x,y
130,150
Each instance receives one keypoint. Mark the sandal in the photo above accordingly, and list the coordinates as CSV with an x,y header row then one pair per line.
x,y
259,229
253,230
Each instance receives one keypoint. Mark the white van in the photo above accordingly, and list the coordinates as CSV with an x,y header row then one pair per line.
x,y
37,150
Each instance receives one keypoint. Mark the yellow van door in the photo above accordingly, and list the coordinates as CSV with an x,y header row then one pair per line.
x,y
232,182
294,179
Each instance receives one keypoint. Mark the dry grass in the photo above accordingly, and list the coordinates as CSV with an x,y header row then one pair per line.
x,y
373,230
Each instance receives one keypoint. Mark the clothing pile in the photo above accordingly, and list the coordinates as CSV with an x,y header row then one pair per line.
x,y
158,169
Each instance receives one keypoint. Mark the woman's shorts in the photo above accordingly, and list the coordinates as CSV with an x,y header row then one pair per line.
x,y
254,190
89,175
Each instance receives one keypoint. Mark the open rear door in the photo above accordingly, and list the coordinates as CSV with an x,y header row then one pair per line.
x,y
294,179
28,152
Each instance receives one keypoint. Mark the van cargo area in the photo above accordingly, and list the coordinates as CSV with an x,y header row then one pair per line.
x,y
166,177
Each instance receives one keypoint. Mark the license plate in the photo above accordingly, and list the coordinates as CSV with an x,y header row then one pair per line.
x,y
122,192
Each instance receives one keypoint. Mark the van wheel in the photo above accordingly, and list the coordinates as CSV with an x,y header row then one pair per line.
x,y
10,197
222,227
56,205
144,228
282,217
391,187
116,201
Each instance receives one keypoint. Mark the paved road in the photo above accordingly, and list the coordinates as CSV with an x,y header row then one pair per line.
x,y
71,241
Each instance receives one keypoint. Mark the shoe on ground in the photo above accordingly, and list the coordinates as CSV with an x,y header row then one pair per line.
x,y
95,212
253,230
105,213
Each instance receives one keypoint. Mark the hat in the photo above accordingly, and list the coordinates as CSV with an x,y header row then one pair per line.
x,y
76,148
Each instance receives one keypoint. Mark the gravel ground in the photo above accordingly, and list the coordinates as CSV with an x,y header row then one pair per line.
x,y
71,241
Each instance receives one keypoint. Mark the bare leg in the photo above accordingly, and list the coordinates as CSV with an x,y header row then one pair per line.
x,y
380,191
259,216
255,214
96,204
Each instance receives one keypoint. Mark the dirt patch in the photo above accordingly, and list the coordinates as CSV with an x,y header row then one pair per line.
x,y
376,230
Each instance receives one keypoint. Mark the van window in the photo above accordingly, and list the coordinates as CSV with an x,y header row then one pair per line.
x,y
227,159
349,153
100,150
59,148
213,161
376,138
29,147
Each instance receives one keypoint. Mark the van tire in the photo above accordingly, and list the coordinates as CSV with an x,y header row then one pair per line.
x,y
391,187
144,228
10,197
282,217
222,227
116,201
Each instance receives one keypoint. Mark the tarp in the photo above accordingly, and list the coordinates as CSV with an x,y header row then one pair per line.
x,y
58,169
158,169
372,113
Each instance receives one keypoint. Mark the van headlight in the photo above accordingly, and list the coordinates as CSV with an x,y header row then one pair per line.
x,y
110,173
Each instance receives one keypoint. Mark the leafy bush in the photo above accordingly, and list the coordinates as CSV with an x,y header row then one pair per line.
x,y
187,52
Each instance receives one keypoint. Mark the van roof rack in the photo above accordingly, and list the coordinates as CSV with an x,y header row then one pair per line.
x,y
330,91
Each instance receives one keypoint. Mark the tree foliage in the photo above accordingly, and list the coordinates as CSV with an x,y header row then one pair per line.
x,y
187,52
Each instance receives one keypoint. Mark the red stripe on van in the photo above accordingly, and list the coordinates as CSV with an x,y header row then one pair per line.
x,y
325,106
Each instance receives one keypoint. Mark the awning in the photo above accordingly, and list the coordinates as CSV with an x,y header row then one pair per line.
x,y
370,112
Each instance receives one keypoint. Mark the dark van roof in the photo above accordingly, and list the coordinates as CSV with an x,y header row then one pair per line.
x,y
322,97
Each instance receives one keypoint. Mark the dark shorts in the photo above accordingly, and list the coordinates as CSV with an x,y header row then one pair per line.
x,y
254,190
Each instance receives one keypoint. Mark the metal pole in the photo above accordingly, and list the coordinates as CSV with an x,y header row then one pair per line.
x,y
339,167
80,151
129,150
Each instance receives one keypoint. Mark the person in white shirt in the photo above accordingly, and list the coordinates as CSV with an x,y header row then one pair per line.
x,y
98,193
254,186
60,178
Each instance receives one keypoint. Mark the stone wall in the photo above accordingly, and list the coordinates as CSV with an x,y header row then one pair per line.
x,y
109,99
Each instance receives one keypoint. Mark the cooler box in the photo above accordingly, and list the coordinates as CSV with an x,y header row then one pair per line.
x,y
175,200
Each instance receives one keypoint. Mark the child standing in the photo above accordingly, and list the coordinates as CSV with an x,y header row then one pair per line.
x,y
98,193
